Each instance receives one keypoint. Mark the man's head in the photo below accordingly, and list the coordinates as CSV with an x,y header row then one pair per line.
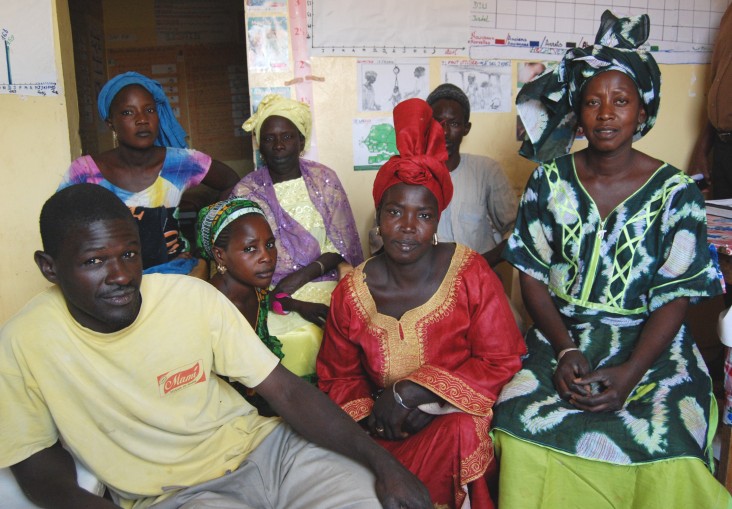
x,y
451,108
91,250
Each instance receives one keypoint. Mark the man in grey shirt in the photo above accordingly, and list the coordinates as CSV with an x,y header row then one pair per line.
x,y
483,207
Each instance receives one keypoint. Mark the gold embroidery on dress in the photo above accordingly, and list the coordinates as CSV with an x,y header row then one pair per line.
x,y
475,465
359,408
454,390
402,356
365,307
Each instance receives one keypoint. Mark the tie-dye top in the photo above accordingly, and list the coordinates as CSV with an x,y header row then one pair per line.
x,y
155,208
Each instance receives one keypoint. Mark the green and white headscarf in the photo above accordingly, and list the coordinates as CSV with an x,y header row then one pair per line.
x,y
549,105
214,218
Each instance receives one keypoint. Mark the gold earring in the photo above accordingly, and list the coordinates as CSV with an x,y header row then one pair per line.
x,y
378,231
114,139
434,239
220,268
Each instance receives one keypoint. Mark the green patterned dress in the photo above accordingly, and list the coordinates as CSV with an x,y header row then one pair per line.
x,y
606,277
274,345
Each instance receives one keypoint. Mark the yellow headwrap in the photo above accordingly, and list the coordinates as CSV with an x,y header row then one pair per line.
x,y
272,104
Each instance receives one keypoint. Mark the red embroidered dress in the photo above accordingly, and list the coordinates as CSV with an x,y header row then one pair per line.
x,y
462,344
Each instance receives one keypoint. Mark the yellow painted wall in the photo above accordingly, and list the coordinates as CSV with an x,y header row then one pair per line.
x,y
36,143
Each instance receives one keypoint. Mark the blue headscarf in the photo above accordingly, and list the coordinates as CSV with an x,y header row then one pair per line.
x,y
170,132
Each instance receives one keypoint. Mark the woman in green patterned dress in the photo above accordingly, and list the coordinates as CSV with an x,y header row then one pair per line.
x,y
613,406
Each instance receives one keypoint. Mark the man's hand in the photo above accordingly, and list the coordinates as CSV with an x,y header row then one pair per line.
x,y
398,488
312,414
48,479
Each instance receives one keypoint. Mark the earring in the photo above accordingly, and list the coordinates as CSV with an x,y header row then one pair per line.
x,y
378,231
434,239
114,139
220,268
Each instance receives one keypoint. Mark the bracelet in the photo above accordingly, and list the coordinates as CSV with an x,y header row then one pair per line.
x,y
566,350
397,397
277,305
322,267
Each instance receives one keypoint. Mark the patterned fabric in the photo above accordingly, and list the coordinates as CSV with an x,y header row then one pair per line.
x,y
271,342
214,218
296,247
462,344
301,339
294,198
548,105
422,154
155,208
171,133
606,276
274,344
275,105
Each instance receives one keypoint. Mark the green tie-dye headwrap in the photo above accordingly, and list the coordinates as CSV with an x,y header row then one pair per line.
x,y
214,218
549,105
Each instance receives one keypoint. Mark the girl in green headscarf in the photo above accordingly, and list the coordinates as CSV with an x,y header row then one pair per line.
x,y
235,235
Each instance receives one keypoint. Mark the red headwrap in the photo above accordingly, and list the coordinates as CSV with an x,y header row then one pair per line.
x,y
422,154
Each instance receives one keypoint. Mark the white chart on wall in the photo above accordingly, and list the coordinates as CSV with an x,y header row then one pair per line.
x,y
682,31
27,66
382,28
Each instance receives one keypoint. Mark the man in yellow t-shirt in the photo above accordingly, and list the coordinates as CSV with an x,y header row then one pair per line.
x,y
124,370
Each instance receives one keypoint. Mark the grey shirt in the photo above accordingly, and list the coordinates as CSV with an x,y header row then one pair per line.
x,y
483,206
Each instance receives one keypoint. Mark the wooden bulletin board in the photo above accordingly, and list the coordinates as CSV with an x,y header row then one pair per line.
x,y
218,99
87,27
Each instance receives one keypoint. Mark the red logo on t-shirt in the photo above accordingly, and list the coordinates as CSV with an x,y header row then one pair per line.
x,y
181,377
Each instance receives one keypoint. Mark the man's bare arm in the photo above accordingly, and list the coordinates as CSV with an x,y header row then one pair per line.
x,y
312,414
48,479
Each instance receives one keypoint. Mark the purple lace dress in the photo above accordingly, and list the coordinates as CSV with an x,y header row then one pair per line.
x,y
296,247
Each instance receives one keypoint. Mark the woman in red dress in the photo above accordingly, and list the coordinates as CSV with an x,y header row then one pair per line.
x,y
420,338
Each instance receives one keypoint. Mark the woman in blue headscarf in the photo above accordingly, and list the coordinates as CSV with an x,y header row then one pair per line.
x,y
613,406
149,168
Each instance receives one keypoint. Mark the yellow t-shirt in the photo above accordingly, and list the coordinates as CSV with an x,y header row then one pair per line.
x,y
142,408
